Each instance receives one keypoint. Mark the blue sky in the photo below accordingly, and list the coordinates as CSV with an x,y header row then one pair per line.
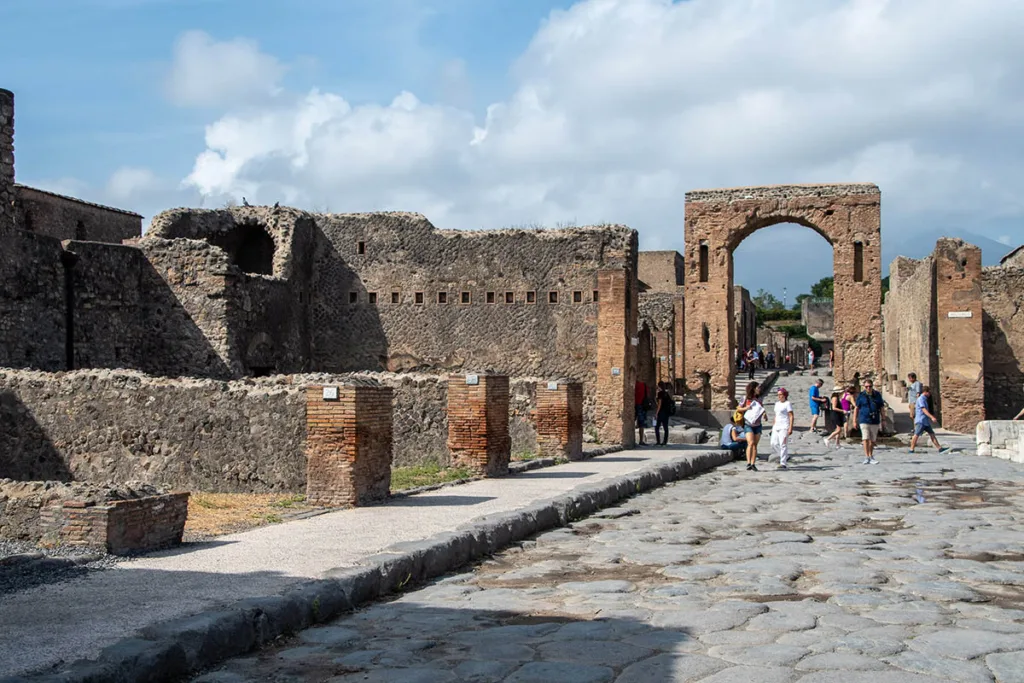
x,y
493,113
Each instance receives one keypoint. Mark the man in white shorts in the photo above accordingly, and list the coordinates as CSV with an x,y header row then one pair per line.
x,y
868,413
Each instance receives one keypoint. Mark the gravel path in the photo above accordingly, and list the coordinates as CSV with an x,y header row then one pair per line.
x,y
907,571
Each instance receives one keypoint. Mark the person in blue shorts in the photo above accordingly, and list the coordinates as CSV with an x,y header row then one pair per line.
x,y
733,439
924,421
817,402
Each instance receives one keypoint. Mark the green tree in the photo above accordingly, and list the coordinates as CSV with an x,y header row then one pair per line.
x,y
766,301
800,300
823,289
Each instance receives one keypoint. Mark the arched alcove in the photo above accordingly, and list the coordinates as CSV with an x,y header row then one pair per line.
x,y
250,247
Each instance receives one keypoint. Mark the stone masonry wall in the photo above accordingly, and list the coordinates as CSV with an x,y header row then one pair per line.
x,y
661,271
67,218
100,426
1003,303
7,192
33,322
910,322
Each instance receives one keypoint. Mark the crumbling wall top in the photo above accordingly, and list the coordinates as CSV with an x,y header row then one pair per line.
x,y
731,194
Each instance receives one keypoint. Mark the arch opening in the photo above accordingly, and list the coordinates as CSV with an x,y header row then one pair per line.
x,y
250,247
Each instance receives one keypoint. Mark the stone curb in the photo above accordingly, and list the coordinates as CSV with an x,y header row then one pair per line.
x,y
172,650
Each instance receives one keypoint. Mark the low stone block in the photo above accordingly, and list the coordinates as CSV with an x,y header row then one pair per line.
x,y
1001,439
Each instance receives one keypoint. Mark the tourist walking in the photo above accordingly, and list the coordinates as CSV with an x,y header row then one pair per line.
x,y
665,409
751,362
838,418
752,415
817,403
913,392
924,421
733,438
641,402
846,402
869,409
782,427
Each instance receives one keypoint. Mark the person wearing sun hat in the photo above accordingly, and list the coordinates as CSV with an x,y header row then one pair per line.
x,y
782,427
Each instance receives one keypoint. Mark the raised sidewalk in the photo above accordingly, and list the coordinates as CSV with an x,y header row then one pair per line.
x,y
247,588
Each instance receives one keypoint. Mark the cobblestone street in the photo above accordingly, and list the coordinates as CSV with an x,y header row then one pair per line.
x,y
911,570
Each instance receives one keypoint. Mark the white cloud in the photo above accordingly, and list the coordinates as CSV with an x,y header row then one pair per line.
x,y
207,73
620,106
129,182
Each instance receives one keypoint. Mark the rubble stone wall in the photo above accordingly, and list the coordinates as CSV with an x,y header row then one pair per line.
x,y
910,323
7,192
67,218
1003,303
33,311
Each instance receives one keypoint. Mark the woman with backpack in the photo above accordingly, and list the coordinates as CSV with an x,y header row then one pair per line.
x,y
752,412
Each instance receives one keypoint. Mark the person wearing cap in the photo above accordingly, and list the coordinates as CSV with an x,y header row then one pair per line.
x,y
817,403
782,427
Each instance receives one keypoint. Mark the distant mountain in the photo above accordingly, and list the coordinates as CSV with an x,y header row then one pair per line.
x,y
922,244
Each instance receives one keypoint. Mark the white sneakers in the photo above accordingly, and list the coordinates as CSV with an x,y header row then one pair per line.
x,y
869,461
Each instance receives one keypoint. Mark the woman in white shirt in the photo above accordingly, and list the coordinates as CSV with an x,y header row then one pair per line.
x,y
782,427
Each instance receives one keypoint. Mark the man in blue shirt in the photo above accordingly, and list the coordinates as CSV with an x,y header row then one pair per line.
x,y
869,411
923,421
817,402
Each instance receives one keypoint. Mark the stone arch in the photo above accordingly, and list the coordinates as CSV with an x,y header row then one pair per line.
x,y
848,216
249,246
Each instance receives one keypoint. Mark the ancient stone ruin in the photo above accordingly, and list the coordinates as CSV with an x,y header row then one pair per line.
x,y
270,349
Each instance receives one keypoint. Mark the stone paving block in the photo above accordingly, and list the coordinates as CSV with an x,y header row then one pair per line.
x,y
671,669
1008,667
948,669
964,643
545,672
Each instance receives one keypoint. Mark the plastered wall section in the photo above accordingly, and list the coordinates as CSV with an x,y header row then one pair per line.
x,y
7,193
67,218
1003,309
910,328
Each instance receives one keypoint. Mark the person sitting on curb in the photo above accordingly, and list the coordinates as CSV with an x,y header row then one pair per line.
x,y
733,439
923,421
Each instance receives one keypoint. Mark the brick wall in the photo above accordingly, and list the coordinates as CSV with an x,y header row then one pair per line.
x,y
560,420
616,357
348,444
662,271
959,318
7,192
478,436
51,514
67,218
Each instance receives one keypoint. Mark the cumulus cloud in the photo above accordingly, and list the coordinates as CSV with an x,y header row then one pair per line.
x,y
620,106
208,73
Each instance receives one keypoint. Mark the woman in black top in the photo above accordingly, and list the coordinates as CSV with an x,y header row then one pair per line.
x,y
664,412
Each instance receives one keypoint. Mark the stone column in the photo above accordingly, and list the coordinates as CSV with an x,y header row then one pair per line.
x,y
478,436
348,444
560,419
6,160
961,390
616,356
679,328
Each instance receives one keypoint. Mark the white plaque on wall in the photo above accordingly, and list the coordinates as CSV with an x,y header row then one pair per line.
x,y
616,372
635,341
552,386
472,380
330,393
960,314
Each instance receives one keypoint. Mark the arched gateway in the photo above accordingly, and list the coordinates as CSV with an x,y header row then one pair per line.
x,y
847,215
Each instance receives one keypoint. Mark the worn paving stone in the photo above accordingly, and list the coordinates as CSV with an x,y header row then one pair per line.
x,y
831,573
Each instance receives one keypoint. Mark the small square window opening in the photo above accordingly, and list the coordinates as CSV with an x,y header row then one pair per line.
x,y
510,297
361,247
395,297
419,297
373,297
531,297
442,297
552,297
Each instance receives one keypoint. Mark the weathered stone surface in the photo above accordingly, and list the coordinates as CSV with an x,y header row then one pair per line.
x,y
964,643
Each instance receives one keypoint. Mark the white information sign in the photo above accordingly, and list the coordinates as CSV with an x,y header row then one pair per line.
x,y
960,314
552,386
616,372
472,380
330,393
635,341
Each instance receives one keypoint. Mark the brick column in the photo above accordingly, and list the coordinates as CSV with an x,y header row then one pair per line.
x,y
560,419
478,435
6,160
348,444
616,356
679,329
958,311
663,355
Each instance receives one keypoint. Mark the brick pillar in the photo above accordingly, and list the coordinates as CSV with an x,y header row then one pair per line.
x,y
958,310
663,355
6,160
560,419
478,435
348,444
678,325
616,356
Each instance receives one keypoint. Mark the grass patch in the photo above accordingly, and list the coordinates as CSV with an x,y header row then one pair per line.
x,y
523,456
215,514
403,478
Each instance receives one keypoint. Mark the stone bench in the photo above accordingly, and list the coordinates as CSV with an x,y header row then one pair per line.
x,y
1001,439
